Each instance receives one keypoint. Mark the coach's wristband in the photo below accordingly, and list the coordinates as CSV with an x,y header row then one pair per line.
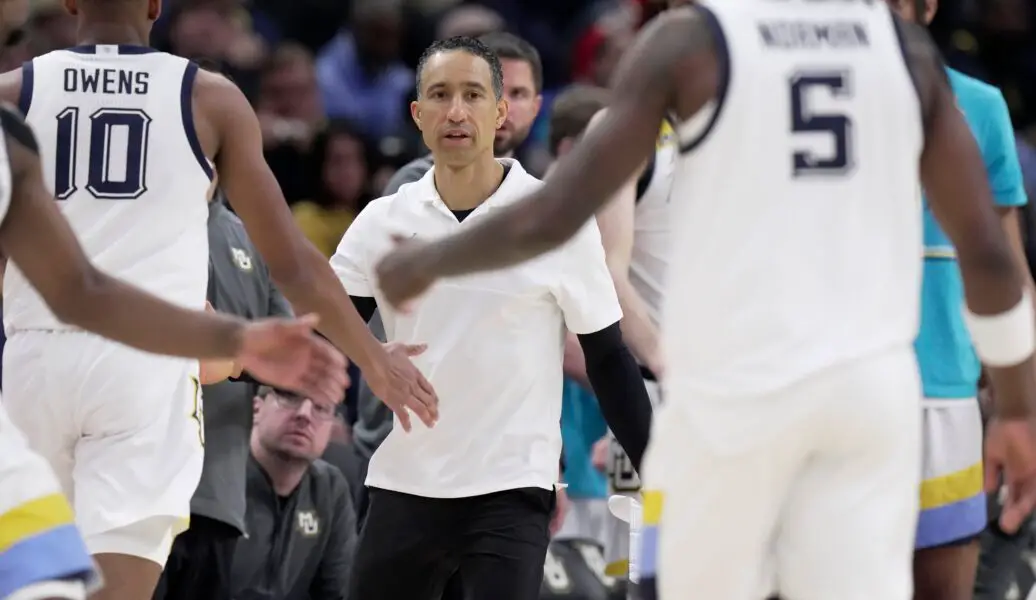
x,y
1006,339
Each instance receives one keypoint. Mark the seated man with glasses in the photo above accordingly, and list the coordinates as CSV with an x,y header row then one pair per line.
x,y
300,518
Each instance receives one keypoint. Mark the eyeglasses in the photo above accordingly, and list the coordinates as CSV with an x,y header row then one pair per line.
x,y
321,412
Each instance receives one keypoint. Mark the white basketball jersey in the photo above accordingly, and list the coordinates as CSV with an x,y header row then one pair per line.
x,y
651,224
120,153
796,202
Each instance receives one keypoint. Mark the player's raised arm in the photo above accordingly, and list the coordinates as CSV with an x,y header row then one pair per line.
x,y
674,46
39,240
301,272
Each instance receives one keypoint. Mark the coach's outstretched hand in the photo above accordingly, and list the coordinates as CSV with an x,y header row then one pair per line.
x,y
288,354
403,388
1010,454
402,273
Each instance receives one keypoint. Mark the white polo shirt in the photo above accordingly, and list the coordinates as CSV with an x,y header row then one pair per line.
x,y
495,343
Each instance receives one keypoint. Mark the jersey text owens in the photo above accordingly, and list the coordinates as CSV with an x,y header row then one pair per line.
x,y
106,81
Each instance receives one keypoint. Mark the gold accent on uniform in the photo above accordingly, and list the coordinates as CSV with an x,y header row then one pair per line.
x,y
619,568
666,135
944,252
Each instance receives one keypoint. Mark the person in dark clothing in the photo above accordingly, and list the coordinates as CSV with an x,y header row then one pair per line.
x,y
300,518
239,283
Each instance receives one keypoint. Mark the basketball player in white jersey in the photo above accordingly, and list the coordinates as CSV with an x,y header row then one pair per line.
x,y
792,393
41,554
130,140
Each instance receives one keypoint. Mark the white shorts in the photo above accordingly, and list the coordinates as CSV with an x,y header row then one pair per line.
x,y
953,502
809,492
121,428
38,540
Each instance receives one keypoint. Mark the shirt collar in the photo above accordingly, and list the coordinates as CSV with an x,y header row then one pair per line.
x,y
513,187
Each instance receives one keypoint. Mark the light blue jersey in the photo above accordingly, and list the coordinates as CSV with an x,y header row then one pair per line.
x,y
949,366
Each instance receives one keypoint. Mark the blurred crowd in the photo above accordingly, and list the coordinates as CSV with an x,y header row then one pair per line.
x,y
331,81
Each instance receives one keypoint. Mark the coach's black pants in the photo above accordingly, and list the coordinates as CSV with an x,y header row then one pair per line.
x,y
411,546
199,563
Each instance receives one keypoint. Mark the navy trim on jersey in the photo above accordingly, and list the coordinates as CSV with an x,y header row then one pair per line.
x,y
25,95
644,181
123,49
187,112
723,55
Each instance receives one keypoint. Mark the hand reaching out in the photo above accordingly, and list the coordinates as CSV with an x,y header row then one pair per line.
x,y
403,388
1010,459
288,354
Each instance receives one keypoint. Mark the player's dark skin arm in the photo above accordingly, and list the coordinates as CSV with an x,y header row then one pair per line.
x,y
229,131
671,67
36,236
956,185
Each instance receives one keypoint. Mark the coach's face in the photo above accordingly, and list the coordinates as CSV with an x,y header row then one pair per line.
x,y
457,111
293,427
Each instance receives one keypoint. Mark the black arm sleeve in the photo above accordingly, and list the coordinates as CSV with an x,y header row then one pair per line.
x,y
619,387
365,305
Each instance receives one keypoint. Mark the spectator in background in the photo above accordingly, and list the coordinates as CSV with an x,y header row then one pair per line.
x,y
291,114
342,154
470,20
217,33
239,284
360,74
16,46
300,520
51,28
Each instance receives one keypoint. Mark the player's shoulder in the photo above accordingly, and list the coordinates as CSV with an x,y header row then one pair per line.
x,y
213,89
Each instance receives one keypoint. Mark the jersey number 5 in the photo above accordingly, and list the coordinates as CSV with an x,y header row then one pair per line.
x,y
838,159
117,153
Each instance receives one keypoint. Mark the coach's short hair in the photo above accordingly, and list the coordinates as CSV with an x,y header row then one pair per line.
x,y
471,46
508,46
572,111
